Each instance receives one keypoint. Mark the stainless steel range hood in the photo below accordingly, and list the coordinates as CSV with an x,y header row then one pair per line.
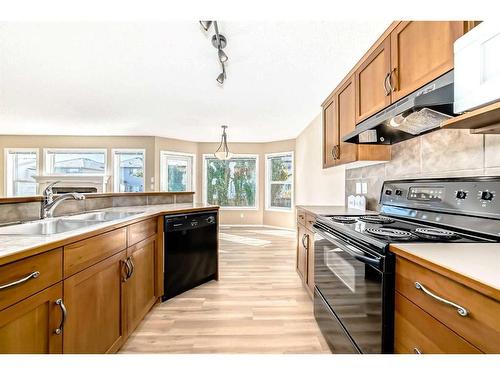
x,y
417,113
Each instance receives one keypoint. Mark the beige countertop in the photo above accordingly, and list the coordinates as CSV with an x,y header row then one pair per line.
x,y
335,210
14,247
472,264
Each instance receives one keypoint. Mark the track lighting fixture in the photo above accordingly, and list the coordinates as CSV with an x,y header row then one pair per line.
x,y
219,41
222,153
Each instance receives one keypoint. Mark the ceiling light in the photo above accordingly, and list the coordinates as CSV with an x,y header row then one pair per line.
x,y
206,24
219,41
222,56
222,153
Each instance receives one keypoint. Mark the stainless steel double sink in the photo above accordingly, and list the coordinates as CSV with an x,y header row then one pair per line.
x,y
65,223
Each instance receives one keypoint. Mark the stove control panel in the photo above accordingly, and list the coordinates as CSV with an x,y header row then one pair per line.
x,y
467,195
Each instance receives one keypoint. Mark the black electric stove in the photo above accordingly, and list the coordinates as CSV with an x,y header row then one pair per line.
x,y
354,269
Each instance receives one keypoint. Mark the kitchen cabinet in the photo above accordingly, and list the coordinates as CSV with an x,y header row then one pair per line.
x,y
420,52
29,326
94,300
435,314
140,293
342,121
371,90
305,249
330,134
301,253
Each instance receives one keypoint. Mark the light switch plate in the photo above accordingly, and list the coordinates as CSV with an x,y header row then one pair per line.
x,y
358,187
364,188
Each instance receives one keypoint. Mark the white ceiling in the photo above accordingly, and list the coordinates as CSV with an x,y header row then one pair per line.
x,y
158,78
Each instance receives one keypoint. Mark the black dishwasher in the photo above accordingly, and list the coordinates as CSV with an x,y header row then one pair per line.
x,y
190,251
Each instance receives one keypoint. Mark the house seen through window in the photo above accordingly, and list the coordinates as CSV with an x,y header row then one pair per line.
x,y
129,174
21,166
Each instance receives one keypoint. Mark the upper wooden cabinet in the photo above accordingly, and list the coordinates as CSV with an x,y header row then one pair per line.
x,y
371,78
330,134
339,120
407,56
420,52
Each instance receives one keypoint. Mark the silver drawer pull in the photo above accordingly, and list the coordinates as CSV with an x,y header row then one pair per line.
x,y
64,312
32,275
460,310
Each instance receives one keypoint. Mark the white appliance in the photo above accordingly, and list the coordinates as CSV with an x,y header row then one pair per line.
x,y
477,67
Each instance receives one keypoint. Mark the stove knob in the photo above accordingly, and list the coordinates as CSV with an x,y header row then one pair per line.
x,y
399,192
210,219
461,194
388,192
487,196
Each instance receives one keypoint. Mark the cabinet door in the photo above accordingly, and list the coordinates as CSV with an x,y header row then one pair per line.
x,y
420,52
330,134
29,326
346,120
309,241
301,253
94,301
140,286
370,79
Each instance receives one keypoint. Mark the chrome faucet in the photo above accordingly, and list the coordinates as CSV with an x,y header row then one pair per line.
x,y
49,203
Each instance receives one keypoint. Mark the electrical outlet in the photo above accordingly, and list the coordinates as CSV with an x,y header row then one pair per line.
x,y
364,188
358,187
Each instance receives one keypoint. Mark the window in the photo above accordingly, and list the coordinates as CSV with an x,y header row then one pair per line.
x,y
21,166
176,171
75,162
231,183
279,181
128,170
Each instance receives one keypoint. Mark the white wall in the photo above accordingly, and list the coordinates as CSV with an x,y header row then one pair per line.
x,y
315,185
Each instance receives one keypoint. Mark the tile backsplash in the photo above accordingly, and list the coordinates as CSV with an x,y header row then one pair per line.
x,y
443,153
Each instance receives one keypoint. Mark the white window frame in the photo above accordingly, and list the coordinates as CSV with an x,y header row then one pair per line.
x,y
268,184
257,179
116,168
46,160
8,185
164,154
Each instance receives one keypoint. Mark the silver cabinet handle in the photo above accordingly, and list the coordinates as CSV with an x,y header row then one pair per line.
x,y
460,310
387,91
389,81
60,303
128,270
32,275
303,238
132,266
417,351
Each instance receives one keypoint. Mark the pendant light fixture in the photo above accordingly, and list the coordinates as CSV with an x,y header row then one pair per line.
x,y
222,153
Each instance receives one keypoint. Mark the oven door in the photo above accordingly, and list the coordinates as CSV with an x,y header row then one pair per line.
x,y
350,281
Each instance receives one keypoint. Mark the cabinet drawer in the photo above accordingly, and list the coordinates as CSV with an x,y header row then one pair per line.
x,y
416,332
83,254
301,217
310,219
141,230
25,277
481,326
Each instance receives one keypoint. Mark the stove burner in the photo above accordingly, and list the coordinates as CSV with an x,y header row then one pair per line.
x,y
376,219
390,233
436,234
344,219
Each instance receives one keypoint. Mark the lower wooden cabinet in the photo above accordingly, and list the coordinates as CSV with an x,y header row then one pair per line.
x,y
29,326
301,253
418,332
94,300
305,251
140,293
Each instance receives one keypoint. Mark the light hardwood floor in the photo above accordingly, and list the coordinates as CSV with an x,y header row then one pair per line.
x,y
258,306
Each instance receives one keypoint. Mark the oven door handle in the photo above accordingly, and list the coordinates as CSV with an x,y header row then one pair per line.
x,y
349,249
